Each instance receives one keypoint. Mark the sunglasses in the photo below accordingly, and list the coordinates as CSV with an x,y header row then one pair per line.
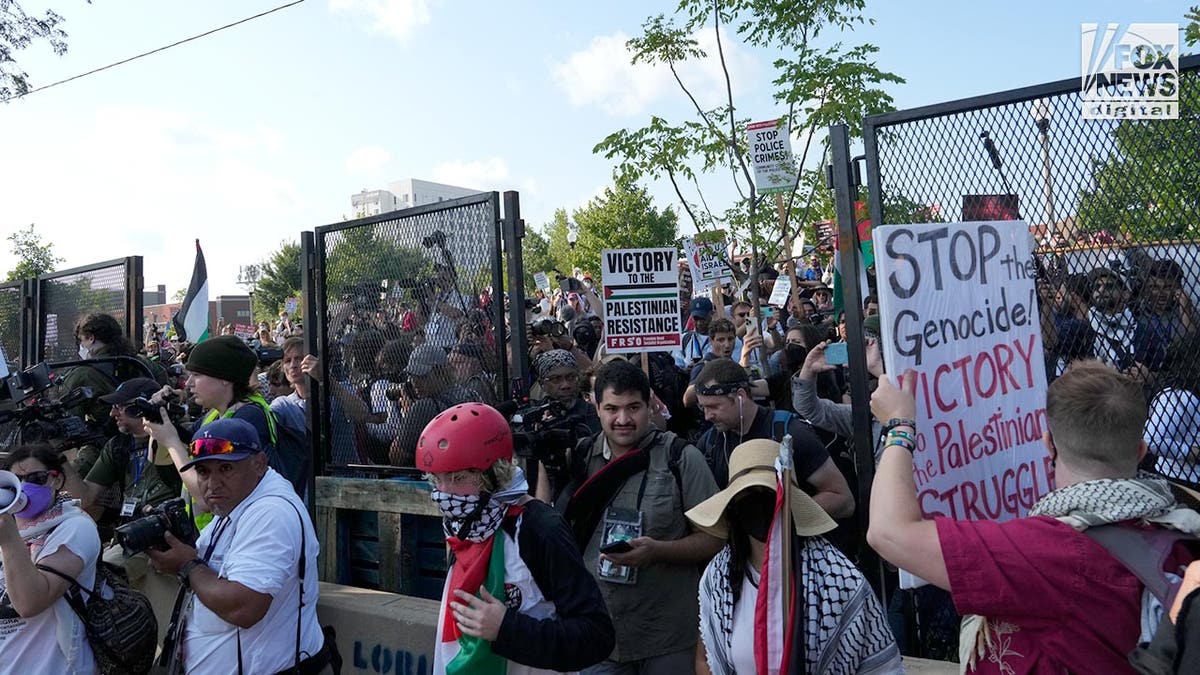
x,y
207,447
37,477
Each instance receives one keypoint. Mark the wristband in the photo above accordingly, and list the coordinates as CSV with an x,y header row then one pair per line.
x,y
899,422
901,434
185,572
900,442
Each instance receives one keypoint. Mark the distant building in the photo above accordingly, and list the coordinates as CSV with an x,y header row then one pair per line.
x,y
405,194
155,297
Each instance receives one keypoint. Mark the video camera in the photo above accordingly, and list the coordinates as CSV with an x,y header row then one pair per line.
x,y
42,420
149,532
547,326
544,431
142,407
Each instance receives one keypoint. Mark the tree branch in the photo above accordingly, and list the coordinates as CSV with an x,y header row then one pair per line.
x,y
754,197
708,121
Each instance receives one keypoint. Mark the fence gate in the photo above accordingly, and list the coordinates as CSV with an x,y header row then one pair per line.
x,y
112,287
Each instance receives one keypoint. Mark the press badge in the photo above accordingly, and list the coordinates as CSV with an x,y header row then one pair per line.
x,y
619,525
128,507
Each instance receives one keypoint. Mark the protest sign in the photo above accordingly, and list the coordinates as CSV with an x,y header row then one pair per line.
x,y
706,261
771,154
958,305
641,300
542,280
3,363
290,305
779,294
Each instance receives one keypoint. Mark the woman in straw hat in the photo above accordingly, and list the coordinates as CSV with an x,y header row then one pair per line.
x,y
838,625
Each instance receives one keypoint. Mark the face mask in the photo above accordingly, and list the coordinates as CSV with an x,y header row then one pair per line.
x,y
795,355
460,510
84,352
754,514
38,500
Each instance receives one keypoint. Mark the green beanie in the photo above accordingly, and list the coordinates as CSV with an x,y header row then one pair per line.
x,y
225,357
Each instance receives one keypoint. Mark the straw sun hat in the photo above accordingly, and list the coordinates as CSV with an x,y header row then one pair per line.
x,y
751,465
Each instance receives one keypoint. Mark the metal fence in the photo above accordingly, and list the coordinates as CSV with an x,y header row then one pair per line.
x,y
409,317
10,323
112,287
1114,209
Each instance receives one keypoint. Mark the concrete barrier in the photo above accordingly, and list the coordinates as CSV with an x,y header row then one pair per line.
x,y
388,634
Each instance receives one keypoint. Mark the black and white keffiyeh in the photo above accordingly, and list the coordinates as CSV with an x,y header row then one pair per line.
x,y
481,518
845,630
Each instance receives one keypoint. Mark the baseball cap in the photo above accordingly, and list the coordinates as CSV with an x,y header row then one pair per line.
x,y
226,439
469,349
424,359
701,307
130,389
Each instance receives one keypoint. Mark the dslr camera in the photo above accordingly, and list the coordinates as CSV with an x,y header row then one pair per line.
x,y
149,532
142,407
548,326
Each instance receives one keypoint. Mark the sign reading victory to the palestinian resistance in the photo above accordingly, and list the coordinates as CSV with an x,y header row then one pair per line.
x,y
706,260
771,154
641,300
958,305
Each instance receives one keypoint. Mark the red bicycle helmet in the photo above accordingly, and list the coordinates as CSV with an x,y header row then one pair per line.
x,y
467,436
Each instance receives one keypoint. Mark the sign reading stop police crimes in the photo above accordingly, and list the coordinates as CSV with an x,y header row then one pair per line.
x,y
641,300
771,154
958,305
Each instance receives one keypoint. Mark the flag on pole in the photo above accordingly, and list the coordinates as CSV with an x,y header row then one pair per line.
x,y
866,247
775,607
191,321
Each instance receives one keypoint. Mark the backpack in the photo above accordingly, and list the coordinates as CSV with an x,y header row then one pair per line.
x,y
579,460
288,453
118,620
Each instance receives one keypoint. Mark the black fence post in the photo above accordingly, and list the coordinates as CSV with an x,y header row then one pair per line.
x,y
135,283
513,232
845,193
311,252
31,335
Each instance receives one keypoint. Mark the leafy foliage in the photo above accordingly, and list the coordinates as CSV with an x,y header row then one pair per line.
x,y
820,85
19,30
33,257
280,280
624,217
361,258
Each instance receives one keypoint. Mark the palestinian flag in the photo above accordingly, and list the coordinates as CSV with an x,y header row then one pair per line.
x,y
774,633
475,564
866,247
191,321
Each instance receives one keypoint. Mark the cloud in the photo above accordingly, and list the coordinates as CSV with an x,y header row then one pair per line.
x,y
482,174
367,160
602,75
397,19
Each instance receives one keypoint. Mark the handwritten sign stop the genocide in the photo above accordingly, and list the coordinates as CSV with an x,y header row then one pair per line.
x,y
958,305
641,300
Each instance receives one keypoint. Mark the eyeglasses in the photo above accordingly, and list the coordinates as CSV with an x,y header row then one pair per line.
x,y
207,447
742,315
37,477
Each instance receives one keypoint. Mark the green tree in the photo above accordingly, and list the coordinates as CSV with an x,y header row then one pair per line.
x,y
280,280
19,30
623,217
179,295
818,85
33,257
358,258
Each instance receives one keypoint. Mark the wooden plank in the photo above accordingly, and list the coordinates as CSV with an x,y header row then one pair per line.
x,y
327,534
389,552
369,494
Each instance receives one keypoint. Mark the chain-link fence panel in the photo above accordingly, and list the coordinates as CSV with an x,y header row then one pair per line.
x,y
10,324
1113,207
66,297
411,323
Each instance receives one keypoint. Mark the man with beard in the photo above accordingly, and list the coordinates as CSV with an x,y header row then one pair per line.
x,y
723,390
1165,307
1122,339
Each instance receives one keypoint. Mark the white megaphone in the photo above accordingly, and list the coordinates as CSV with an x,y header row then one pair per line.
x,y
12,497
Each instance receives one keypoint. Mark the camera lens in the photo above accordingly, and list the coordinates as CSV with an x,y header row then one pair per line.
x,y
142,534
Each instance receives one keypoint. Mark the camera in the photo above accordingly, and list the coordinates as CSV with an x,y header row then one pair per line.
x,y
40,419
533,306
148,532
438,238
268,355
404,388
142,407
548,326
544,431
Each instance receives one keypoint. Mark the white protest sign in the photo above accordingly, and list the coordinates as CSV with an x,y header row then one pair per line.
x,y
290,305
706,260
3,363
958,306
781,291
641,300
542,280
771,154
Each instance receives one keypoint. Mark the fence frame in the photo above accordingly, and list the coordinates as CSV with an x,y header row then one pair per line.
x,y
133,284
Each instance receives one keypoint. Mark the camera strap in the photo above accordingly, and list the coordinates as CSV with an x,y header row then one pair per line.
x,y
169,655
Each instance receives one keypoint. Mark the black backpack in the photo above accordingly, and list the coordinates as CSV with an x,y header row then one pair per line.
x,y
121,628
290,456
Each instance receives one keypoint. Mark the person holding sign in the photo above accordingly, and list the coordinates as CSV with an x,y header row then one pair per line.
x,y
1057,591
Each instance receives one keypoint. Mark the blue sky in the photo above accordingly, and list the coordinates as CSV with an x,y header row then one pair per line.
x,y
249,136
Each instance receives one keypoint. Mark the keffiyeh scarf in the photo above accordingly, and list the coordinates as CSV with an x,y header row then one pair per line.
x,y
1146,498
845,630
1114,335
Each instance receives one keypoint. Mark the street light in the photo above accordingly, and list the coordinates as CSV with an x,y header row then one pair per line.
x,y
248,275
1040,110
572,234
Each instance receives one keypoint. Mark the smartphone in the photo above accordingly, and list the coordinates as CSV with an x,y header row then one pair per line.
x,y
618,546
836,354
768,312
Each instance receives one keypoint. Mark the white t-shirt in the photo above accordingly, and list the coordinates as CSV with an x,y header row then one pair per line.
x,y
53,641
441,330
741,648
258,545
